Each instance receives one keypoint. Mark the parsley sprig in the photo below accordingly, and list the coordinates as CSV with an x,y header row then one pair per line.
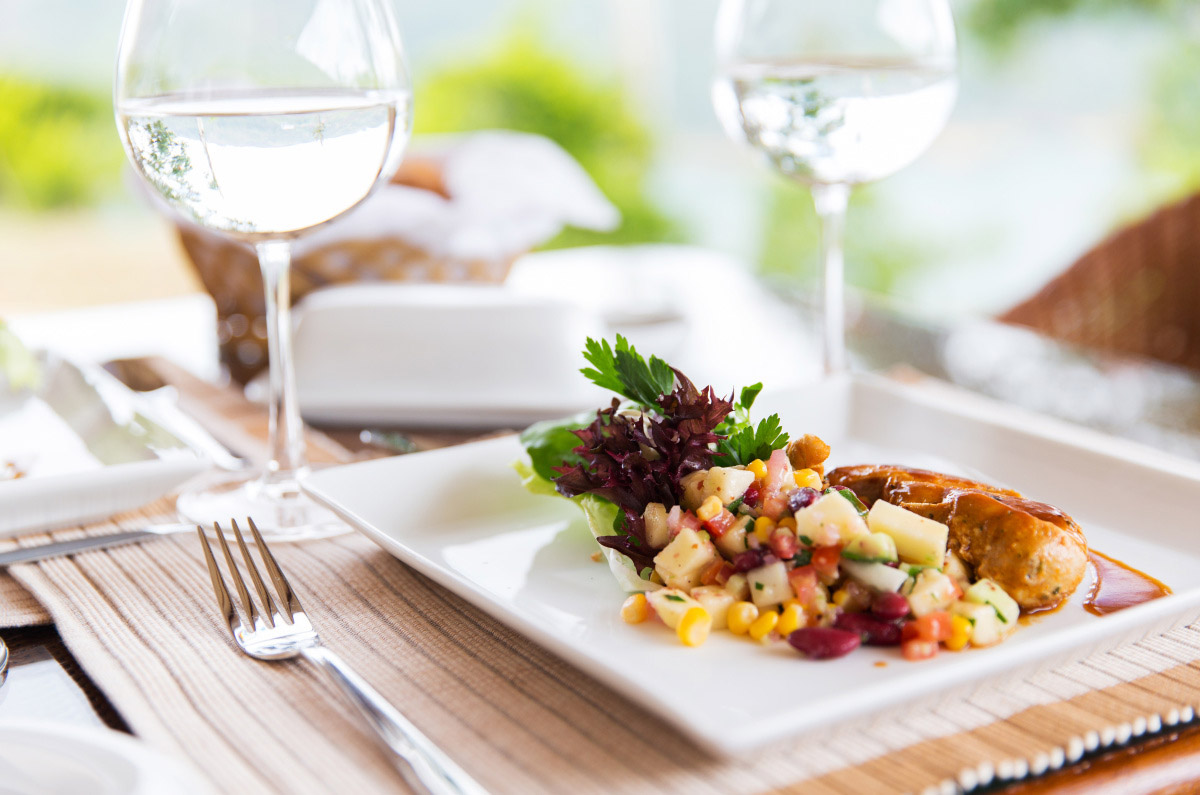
x,y
624,371
745,441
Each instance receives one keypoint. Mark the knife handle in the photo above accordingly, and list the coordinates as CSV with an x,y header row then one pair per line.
x,y
61,548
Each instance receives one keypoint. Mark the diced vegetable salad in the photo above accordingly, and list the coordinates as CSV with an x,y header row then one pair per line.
x,y
716,523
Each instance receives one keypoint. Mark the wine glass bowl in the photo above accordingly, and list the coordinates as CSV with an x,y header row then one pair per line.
x,y
835,94
260,120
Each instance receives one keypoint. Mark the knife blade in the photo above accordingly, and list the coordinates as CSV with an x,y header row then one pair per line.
x,y
61,548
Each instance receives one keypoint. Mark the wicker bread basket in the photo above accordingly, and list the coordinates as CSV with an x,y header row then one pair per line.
x,y
231,274
1137,292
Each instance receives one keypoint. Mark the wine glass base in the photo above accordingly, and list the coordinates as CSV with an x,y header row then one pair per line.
x,y
281,512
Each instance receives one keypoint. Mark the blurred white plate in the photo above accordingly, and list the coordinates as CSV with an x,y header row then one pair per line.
x,y
460,516
39,758
86,448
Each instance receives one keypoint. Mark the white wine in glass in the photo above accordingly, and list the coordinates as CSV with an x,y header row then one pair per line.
x,y
261,120
835,94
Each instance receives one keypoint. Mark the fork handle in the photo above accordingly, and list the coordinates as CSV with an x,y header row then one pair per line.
x,y
424,766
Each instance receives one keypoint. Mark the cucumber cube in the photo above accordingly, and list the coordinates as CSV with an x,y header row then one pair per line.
x,y
986,592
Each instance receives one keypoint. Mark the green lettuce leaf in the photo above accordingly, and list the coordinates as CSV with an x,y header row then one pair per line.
x,y
552,443
600,515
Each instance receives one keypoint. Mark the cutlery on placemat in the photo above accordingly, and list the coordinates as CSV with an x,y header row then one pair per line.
x,y
60,548
282,631
3,662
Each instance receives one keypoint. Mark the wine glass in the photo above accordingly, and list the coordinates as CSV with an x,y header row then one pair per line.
x,y
835,93
261,120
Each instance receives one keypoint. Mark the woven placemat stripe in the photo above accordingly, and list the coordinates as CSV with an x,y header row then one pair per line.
x,y
142,622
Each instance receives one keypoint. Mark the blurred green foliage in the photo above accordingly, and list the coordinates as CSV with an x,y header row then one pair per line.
x,y
877,253
521,85
998,23
1171,143
58,146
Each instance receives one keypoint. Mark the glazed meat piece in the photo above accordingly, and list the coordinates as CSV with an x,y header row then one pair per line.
x,y
1033,551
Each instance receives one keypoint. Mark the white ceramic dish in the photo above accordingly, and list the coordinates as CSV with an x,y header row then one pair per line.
x,y
88,448
43,758
459,516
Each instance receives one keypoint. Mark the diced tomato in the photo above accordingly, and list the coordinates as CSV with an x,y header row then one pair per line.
x,y
918,649
803,580
783,543
678,519
726,571
931,626
909,631
825,560
720,524
712,571
775,486
752,495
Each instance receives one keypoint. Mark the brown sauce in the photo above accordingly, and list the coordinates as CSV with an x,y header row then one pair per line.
x,y
1116,586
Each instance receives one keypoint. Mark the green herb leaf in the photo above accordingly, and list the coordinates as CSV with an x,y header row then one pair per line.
x,y
758,586
733,506
623,371
806,540
747,443
803,557
749,395
673,598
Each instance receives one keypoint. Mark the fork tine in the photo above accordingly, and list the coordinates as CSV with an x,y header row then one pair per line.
x,y
287,596
218,582
263,595
236,576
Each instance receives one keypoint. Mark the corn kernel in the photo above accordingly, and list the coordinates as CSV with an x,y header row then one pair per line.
x,y
791,619
763,625
807,478
759,468
741,615
840,597
763,527
709,508
789,602
789,522
694,626
960,633
636,609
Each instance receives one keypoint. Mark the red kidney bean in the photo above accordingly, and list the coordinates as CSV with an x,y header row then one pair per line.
x,y
873,630
801,498
890,606
750,559
824,643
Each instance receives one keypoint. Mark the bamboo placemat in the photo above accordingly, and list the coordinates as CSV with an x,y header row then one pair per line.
x,y
141,620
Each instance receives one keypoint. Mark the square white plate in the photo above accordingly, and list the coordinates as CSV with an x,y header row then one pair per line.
x,y
89,450
460,516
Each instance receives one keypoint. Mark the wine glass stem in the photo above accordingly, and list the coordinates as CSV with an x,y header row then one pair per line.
x,y
830,201
286,437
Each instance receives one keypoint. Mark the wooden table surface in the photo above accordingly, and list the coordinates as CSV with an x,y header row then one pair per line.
x,y
1166,762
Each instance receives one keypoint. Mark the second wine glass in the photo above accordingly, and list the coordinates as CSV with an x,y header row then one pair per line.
x,y
835,94
260,120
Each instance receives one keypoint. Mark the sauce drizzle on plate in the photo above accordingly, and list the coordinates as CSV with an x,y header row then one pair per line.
x,y
1117,586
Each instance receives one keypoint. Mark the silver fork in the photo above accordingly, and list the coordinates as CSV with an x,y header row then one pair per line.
x,y
282,631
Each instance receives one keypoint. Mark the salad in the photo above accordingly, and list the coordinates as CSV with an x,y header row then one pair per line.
x,y
714,522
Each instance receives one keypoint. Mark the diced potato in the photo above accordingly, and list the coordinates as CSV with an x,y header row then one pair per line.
x,y
986,629
930,592
986,592
957,570
737,587
693,492
727,483
716,600
670,604
831,512
681,562
918,539
733,541
769,584
658,534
